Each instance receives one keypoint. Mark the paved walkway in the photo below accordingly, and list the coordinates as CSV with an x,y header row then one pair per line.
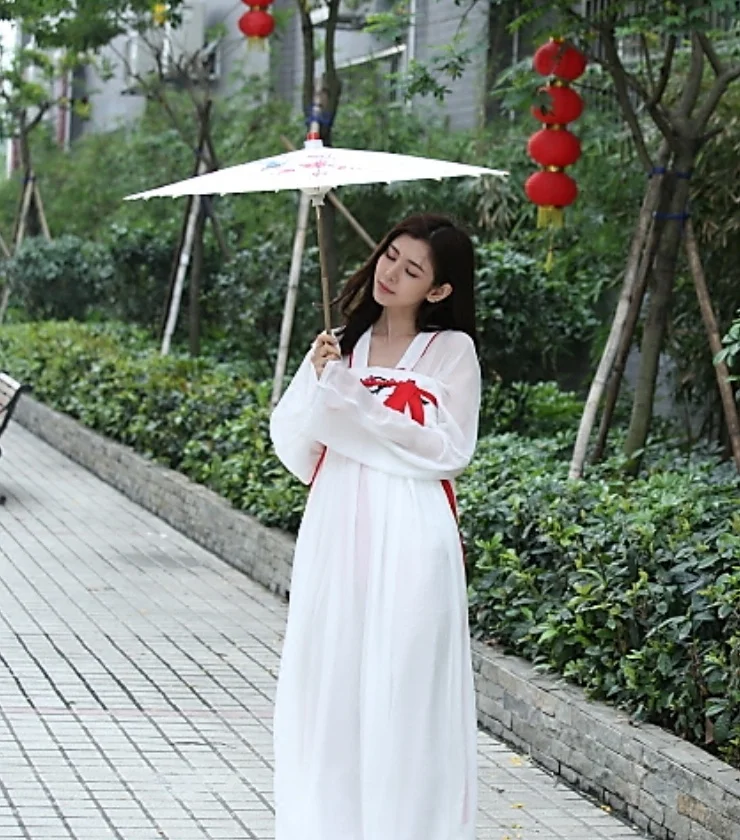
x,y
137,674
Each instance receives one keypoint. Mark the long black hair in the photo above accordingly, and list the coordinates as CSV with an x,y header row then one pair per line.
x,y
453,262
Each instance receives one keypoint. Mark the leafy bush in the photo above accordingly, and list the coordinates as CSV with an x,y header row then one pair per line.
x,y
143,262
245,300
628,588
535,409
532,320
207,420
59,279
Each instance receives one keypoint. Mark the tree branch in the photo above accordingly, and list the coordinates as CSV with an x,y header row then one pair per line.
x,y
716,92
42,109
710,53
619,76
665,72
692,88
648,61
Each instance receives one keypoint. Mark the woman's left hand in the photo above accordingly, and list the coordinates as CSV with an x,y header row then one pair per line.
x,y
326,350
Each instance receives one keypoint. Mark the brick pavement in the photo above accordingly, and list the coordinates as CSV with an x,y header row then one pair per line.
x,y
137,675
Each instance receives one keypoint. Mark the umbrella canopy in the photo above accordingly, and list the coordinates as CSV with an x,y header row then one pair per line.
x,y
315,170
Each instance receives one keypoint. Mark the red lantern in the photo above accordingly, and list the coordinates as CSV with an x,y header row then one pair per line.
x,y
258,4
257,23
565,106
556,58
554,147
551,191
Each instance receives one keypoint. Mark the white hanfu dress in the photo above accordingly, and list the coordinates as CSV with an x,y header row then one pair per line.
x,y
375,721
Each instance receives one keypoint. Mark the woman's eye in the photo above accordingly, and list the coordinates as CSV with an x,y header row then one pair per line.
x,y
391,257
412,275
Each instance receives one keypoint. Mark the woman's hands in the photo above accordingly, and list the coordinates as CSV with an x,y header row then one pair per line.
x,y
325,350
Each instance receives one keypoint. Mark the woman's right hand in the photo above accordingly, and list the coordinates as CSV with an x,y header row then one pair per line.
x,y
326,349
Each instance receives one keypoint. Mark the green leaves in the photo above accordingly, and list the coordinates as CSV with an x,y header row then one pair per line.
x,y
209,420
630,589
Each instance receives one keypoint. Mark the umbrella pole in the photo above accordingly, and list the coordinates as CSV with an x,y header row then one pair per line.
x,y
325,297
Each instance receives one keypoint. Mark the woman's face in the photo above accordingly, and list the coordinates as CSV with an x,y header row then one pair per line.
x,y
404,275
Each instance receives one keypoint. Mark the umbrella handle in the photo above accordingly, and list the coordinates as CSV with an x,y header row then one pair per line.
x,y
325,297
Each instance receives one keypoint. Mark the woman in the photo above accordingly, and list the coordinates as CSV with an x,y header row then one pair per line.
x,y
375,724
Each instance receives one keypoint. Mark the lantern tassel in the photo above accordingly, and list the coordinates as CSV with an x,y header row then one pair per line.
x,y
550,217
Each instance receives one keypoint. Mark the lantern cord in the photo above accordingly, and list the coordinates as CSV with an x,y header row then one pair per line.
x,y
550,258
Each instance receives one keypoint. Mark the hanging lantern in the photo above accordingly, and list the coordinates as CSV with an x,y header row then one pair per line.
x,y
564,106
556,58
257,24
554,147
551,190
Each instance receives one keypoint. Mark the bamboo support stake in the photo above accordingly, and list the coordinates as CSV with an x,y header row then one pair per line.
x,y
291,297
606,364
4,247
182,269
41,211
625,344
19,233
715,341
25,206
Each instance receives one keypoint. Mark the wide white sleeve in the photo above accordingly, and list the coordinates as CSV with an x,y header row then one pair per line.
x,y
437,451
290,431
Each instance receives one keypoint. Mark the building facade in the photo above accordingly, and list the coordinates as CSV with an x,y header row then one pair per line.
x,y
115,98
209,27
432,26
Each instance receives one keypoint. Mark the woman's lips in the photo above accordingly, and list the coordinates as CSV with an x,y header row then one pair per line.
x,y
384,288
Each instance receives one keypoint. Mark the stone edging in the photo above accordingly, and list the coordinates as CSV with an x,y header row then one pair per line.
x,y
663,784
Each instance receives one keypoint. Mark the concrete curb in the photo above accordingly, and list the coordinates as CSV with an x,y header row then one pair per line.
x,y
661,783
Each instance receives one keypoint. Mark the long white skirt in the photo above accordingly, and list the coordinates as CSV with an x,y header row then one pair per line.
x,y
375,723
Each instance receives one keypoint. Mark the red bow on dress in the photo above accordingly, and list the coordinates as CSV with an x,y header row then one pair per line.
x,y
406,394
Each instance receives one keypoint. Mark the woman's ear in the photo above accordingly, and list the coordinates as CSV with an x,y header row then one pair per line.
x,y
439,293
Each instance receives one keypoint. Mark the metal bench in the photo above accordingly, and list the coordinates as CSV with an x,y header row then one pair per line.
x,y
10,392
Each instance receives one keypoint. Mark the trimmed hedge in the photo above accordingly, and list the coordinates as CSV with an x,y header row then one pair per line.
x,y
629,588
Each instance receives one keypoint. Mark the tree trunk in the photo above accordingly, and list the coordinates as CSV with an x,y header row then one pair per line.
x,y
500,55
331,89
194,287
715,343
657,318
633,316
649,204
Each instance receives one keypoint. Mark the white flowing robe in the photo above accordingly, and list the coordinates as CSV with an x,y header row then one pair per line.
x,y
375,721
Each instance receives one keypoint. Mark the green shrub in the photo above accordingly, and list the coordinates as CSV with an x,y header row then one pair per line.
x,y
63,278
628,588
207,420
533,322
536,409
